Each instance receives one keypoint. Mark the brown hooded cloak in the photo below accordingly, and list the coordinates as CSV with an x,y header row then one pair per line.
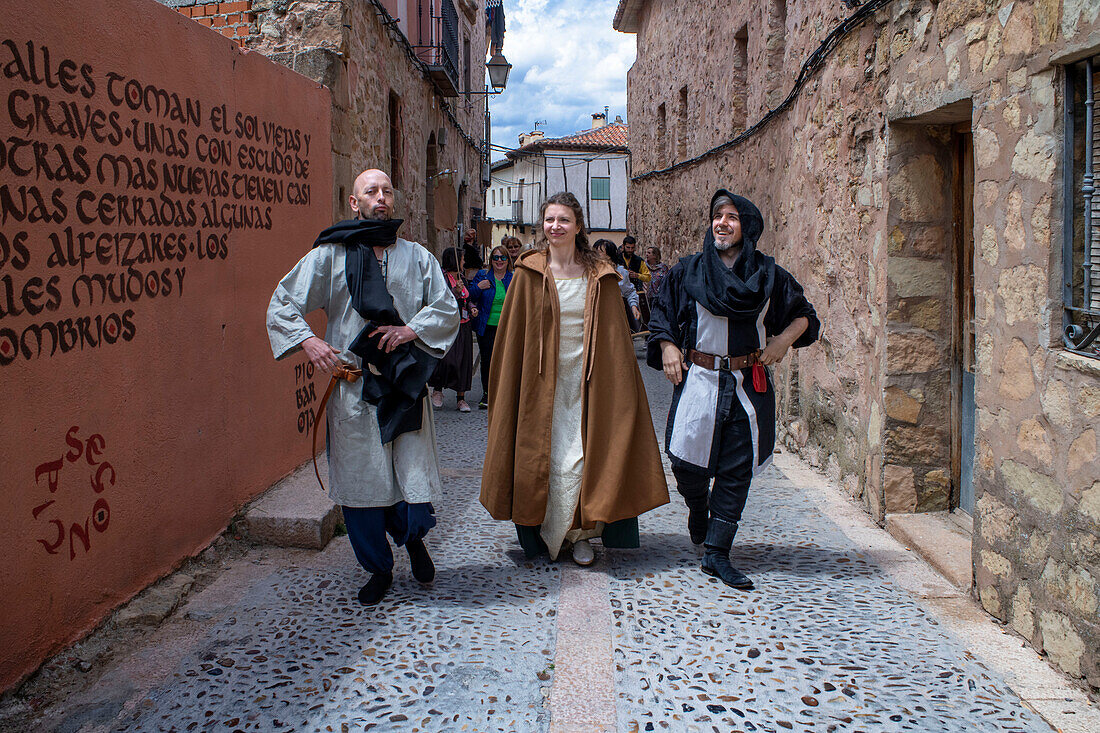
x,y
622,475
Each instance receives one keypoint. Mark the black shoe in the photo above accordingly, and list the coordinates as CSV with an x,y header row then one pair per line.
x,y
718,565
483,405
423,569
716,559
698,515
375,589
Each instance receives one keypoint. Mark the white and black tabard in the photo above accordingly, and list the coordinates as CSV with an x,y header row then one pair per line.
x,y
706,306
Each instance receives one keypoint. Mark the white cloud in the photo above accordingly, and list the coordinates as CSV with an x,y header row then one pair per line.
x,y
567,63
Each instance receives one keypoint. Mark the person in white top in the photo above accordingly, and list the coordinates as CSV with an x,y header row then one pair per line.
x,y
387,298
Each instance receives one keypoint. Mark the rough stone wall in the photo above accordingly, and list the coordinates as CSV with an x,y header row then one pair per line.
x,y
346,46
850,180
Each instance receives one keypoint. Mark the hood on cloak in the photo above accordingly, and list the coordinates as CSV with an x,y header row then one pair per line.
x,y
740,291
397,384
537,261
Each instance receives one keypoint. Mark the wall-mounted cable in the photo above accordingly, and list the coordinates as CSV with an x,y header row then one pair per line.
x,y
812,64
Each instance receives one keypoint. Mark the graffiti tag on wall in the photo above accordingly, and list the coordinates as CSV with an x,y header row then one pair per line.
x,y
73,505
112,190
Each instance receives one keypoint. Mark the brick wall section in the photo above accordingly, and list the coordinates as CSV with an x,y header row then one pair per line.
x,y
851,182
233,19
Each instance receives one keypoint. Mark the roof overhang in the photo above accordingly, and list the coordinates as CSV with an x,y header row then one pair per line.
x,y
541,149
628,15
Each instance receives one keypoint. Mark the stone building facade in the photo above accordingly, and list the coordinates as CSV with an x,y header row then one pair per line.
x,y
916,183
405,77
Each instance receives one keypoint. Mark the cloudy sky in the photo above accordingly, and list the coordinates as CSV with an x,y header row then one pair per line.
x,y
567,63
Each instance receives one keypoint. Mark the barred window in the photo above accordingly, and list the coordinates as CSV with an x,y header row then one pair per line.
x,y
1081,244
601,189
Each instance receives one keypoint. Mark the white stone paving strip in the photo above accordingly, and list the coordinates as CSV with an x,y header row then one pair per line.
x,y
582,699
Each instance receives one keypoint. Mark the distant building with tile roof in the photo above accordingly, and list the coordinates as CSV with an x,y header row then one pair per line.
x,y
593,165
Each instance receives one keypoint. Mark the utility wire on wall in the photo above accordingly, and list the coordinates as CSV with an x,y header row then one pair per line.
x,y
811,65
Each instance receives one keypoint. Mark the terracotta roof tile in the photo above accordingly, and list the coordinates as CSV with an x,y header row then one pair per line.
x,y
608,136
613,135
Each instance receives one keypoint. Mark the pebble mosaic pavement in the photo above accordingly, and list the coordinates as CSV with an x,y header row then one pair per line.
x,y
825,643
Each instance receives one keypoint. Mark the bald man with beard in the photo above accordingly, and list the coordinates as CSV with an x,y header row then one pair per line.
x,y
391,315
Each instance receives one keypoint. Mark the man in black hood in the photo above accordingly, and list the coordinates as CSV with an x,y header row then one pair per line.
x,y
721,316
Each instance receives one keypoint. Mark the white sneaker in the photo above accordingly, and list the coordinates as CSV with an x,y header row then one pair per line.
x,y
583,554
437,399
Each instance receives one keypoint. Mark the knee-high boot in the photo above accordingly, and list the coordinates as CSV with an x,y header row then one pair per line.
x,y
698,514
716,558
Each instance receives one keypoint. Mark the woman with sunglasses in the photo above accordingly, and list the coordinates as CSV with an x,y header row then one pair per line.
x,y
491,285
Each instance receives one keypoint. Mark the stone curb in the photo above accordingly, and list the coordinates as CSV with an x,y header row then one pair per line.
x,y
295,512
941,542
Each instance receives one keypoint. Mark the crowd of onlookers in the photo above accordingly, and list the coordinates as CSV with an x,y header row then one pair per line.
x,y
480,287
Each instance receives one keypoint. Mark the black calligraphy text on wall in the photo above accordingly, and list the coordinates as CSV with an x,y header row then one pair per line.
x,y
112,190
305,394
74,505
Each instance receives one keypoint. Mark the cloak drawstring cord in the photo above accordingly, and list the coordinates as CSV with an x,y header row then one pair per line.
x,y
542,308
592,336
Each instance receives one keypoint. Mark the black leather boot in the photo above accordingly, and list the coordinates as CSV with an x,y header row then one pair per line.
x,y
716,559
698,514
423,569
375,589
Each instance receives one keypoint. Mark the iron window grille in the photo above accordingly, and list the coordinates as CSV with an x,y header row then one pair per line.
x,y
1081,235
437,43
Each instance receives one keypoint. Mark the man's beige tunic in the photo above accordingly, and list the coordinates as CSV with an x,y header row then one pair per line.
x,y
362,471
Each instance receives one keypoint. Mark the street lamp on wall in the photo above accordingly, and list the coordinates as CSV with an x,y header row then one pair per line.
x,y
498,67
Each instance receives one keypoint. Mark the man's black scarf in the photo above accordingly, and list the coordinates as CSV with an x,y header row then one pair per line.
x,y
742,291
400,384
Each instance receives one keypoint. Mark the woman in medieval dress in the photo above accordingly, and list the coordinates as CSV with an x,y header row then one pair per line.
x,y
571,451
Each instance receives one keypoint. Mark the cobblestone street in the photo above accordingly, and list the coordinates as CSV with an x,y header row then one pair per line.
x,y
829,641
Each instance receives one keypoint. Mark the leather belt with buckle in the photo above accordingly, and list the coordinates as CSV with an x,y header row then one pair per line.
x,y
715,362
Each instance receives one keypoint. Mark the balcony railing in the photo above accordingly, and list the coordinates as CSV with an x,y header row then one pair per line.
x,y
437,42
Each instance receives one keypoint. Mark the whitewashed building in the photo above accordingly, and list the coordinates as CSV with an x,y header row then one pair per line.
x,y
593,165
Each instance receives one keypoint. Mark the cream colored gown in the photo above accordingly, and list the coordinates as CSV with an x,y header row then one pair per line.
x,y
566,448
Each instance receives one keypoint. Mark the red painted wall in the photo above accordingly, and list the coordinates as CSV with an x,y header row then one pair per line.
x,y
141,405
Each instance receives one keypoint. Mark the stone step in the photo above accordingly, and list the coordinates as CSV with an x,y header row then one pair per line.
x,y
295,512
942,539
